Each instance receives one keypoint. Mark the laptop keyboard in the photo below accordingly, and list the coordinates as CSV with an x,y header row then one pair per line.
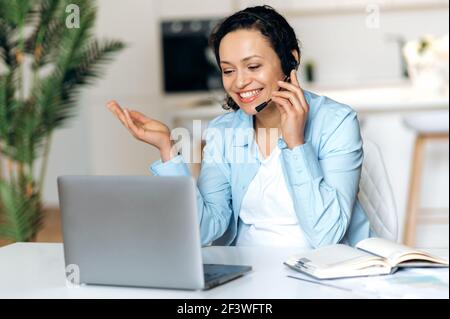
x,y
213,271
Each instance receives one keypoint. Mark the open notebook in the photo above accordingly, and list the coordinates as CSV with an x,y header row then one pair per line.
x,y
372,256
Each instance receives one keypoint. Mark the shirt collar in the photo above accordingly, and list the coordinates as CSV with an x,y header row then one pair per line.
x,y
243,128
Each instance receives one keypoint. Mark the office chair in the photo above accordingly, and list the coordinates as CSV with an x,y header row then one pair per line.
x,y
375,194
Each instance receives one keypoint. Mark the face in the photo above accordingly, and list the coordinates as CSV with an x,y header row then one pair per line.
x,y
250,68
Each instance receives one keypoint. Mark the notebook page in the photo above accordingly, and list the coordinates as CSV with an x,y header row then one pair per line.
x,y
385,248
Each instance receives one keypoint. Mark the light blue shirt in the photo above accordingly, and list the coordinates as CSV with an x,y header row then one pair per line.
x,y
322,175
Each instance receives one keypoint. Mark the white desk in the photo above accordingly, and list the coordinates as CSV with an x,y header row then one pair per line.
x,y
36,270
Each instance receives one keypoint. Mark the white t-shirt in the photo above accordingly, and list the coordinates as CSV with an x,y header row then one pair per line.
x,y
267,209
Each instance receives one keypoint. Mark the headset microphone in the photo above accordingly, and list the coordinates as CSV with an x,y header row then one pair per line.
x,y
260,107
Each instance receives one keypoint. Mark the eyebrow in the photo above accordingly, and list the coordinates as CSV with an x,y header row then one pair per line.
x,y
244,59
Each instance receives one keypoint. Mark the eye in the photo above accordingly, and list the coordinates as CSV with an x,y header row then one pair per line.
x,y
254,67
227,72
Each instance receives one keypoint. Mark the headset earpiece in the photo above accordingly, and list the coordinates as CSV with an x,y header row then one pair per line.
x,y
292,65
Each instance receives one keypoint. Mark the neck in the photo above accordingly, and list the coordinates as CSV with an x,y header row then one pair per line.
x,y
268,118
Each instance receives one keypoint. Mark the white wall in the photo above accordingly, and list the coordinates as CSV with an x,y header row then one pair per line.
x,y
346,51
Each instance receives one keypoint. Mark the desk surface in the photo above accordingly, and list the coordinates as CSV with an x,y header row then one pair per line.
x,y
36,270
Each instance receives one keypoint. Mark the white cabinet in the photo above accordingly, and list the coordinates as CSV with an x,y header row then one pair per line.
x,y
176,9
305,7
287,5
420,3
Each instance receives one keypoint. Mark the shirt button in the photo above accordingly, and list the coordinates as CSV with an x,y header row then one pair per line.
x,y
295,157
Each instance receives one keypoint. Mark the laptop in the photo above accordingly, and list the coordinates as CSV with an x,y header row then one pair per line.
x,y
138,231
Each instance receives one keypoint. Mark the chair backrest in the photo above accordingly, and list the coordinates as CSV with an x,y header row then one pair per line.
x,y
375,194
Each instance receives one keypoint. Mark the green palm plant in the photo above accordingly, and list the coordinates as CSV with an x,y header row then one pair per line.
x,y
58,61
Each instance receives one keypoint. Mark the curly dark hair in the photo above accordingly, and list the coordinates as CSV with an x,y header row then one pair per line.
x,y
271,24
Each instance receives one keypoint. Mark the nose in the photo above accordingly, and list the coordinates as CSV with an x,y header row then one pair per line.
x,y
242,80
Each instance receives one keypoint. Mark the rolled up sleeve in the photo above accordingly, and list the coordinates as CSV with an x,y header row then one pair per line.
x,y
174,167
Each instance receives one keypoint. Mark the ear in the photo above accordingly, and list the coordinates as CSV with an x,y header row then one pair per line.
x,y
296,55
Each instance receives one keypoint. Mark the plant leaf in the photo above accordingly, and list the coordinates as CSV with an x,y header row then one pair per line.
x,y
21,215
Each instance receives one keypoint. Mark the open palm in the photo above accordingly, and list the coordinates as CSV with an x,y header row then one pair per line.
x,y
141,127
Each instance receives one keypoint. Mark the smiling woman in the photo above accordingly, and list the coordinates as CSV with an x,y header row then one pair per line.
x,y
298,187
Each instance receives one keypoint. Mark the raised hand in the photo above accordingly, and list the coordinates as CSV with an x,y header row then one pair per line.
x,y
293,109
145,129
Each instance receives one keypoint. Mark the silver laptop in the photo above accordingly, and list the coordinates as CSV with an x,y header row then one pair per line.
x,y
136,231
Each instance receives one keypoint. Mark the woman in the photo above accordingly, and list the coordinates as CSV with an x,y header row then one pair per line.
x,y
299,186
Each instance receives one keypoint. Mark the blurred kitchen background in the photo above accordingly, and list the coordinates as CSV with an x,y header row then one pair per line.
x,y
352,51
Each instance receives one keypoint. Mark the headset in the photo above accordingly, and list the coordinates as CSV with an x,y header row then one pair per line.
x,y
287,67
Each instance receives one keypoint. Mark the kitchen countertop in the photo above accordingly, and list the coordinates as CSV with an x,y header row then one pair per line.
x,y
398,97
393,98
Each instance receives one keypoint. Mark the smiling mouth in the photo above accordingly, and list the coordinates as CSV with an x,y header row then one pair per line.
x,y
249,96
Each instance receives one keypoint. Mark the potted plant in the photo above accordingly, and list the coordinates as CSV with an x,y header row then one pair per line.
x,y
427,59
47,54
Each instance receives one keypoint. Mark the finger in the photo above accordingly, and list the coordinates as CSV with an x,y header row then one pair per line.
x,y
288,86
137,130
138,116
133,128
130,130
135,117
109,104
114,107
279,107
293,99
301,94
286,106
298,91
294,78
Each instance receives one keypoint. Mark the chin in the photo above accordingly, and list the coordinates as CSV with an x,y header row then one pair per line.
x,y
249,110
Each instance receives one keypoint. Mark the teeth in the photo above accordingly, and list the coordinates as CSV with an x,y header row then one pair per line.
x,y
249,94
